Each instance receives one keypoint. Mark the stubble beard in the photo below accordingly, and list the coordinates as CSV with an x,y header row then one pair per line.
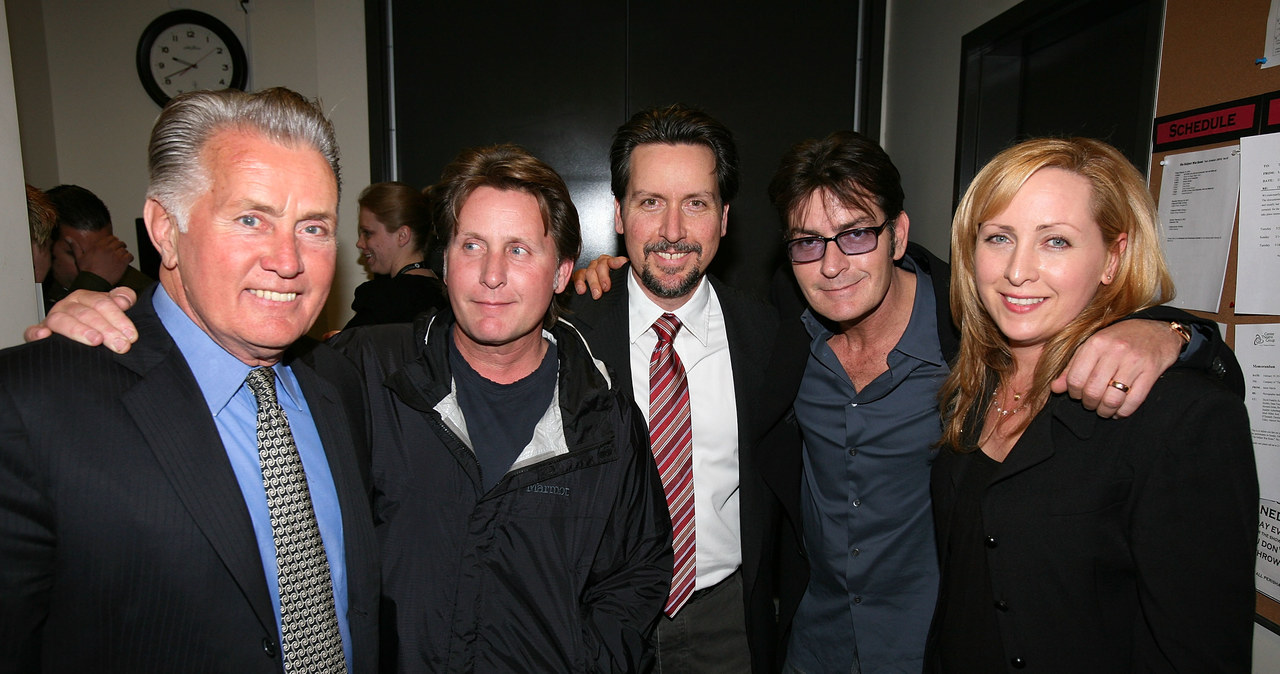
x,y
686,284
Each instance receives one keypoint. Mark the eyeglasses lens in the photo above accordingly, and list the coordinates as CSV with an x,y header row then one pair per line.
x,y
851,242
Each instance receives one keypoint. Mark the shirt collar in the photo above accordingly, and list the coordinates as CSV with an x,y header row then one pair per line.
x,y
920,339
218,373
694,315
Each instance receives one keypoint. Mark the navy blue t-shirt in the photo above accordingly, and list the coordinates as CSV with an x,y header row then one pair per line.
x,y
501,417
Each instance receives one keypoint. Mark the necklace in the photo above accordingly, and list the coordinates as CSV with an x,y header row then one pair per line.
x,y
995,403
412,265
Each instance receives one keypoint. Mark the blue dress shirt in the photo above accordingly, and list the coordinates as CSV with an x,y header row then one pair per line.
x,y
235,412
868,523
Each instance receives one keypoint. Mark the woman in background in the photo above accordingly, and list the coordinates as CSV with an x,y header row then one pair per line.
x,y
1068,542
394,234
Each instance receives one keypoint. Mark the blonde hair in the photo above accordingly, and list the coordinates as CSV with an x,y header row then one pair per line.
x,y
1120,204
42,218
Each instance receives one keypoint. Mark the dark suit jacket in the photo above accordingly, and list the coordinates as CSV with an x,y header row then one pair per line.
x,y
1118,545
780,461
125,542
751,326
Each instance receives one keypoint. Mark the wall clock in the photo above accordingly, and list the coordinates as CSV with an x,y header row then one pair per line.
x,y
185,50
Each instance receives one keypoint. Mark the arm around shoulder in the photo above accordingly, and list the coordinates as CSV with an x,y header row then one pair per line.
x,y
1209,353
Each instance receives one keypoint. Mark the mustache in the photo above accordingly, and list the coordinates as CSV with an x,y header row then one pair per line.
x,y
669,247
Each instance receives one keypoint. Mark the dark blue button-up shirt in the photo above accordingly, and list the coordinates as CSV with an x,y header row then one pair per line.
x,y
868,526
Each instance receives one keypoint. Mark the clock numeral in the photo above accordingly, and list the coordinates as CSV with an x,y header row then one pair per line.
x,y
168,81
191,33
225,67
164,50
223,81
160,65
219,50
174,36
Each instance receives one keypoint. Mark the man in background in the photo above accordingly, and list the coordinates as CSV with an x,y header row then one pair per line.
x,y
41,221
86,253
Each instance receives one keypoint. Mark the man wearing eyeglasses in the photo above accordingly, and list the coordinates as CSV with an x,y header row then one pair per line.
x,y
862,351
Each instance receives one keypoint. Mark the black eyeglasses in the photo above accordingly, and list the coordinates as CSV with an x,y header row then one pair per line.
x,y
854,241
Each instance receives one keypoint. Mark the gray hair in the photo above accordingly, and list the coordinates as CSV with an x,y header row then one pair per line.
x,y
189,121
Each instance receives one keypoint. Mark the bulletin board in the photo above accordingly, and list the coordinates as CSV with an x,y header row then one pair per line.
x,y
1209,59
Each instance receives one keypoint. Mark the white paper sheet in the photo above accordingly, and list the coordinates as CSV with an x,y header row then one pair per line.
x,y
1271,46
1258,268
1258,350
1197,210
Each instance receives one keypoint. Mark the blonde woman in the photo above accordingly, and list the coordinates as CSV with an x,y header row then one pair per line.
x,y
1068,542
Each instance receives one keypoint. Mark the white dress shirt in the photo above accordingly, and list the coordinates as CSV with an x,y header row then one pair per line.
x,y
703,347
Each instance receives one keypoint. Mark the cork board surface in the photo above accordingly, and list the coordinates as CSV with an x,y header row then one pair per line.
x,y
1207,58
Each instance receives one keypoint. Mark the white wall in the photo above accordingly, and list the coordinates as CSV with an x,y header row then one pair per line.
x,y
17,302
101,116
921,101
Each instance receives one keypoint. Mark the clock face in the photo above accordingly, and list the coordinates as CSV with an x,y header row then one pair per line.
x,y
186,57
185,50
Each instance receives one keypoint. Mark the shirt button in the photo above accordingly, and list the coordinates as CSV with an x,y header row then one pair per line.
x,y
857,599
1018,663
990,541
855,552
269,647
1002,605
853,404
857,502
853,451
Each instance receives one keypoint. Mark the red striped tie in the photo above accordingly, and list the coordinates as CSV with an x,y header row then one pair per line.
x,y
671,436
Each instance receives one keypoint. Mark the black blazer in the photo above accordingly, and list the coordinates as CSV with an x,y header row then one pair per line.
x,y
125,542
1118,545
751,326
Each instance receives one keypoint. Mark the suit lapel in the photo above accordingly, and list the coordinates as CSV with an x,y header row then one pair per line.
x,y
750,330
1035,446
334,428
173,418
605,325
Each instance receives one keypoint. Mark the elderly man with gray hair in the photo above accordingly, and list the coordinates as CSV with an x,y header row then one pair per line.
x,y
208,508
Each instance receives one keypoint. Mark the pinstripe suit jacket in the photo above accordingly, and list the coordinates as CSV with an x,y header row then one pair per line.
x,y
125,543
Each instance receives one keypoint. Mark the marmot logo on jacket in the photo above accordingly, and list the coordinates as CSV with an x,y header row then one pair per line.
x,y
548,489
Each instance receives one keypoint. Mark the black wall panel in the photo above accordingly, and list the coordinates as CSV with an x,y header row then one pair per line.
x,y
559,77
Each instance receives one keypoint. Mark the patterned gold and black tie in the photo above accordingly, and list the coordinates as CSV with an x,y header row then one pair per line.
x,y
308,619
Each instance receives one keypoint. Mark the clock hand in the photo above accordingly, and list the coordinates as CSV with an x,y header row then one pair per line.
x,y
190,65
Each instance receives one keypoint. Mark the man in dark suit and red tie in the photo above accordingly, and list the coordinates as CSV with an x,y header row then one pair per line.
x,y
199,504
674,172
